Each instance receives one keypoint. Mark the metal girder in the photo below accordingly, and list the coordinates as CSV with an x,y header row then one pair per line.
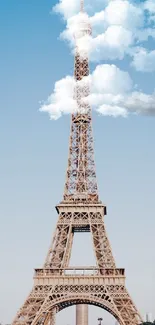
x,y
112,297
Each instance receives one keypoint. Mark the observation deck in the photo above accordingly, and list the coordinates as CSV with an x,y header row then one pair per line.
x,y
79,275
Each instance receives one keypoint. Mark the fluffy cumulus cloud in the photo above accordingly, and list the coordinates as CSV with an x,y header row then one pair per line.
x,y
109,79
111,44
124,13
67,8
61,100
112,94
149,5
116,29
144,60
74,31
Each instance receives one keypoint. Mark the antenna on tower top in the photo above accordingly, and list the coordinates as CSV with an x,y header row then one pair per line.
x,y
82,6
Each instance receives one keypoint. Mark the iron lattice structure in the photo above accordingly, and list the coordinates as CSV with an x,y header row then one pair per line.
x,y
56,286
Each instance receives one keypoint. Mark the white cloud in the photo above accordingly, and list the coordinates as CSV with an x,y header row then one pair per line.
x,y
71,28
67,8
110,79
125,14
150,6
98,18
121,12
111,94
78,28
112,110
61,100
141,103
116,30
143,34
144,60
111,44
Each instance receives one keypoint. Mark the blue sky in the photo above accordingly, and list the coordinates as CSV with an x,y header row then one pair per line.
x,y
34,158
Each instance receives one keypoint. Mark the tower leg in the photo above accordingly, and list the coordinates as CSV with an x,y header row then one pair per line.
x,y
82,314
52,318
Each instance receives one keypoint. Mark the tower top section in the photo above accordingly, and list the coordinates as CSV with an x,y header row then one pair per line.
x,y
81,183
82,6
83,28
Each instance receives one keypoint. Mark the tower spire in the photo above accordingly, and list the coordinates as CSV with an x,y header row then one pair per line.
x,y
81,183
82,6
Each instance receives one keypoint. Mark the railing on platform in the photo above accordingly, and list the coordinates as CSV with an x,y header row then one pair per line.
x,y
80,271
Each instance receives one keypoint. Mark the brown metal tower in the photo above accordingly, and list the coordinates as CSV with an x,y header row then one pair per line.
x,y
56,285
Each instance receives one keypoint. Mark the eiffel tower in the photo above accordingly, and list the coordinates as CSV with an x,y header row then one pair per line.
x,y
56,285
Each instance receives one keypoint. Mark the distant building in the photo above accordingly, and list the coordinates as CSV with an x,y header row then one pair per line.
x,y
149,317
